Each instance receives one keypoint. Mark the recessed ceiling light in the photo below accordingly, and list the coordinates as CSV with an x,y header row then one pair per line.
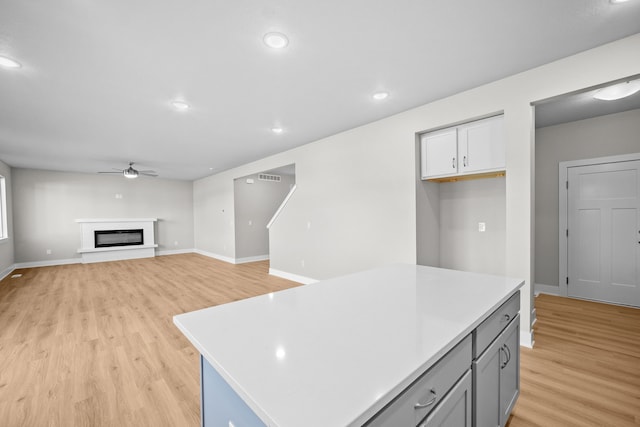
x,y
380,95
180,105
619,91
276,40
9,63
277,130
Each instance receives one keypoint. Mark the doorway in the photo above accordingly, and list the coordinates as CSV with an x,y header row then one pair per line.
x,y
601,224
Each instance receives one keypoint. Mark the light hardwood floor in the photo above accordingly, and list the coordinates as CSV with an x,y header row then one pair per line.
x,y
94,345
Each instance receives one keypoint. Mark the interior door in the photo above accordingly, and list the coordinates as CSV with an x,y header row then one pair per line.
x,y
604,232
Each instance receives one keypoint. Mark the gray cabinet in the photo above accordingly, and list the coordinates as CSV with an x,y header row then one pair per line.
x,y
496,378
427,394
455,408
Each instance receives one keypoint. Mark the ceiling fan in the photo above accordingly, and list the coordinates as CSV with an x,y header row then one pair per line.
x,y
132,173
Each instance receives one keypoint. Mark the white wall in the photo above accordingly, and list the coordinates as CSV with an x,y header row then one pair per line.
x,y
463,205
597,137
7,245
46,205
357,188
254,206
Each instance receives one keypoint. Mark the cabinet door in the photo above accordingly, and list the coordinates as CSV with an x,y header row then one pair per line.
x,y
455,408
486,386
510,371
439,153
496,378
481,146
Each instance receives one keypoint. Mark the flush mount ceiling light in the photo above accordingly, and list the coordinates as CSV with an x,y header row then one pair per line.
x,y
180,105
276,40
619,91
618,1
277,130
9,63
379,96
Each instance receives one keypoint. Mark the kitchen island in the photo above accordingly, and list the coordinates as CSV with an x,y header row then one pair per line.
x,y
359,349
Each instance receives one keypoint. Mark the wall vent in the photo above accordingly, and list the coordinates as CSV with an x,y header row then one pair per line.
x,y
269,177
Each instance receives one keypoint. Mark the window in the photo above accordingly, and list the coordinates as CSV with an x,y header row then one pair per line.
x,y
3,209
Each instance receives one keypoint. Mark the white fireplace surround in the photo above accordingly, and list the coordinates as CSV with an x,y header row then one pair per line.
x,y
91,254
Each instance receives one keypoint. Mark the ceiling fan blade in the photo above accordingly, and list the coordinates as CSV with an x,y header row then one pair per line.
x,y
110,172
147,174
147,171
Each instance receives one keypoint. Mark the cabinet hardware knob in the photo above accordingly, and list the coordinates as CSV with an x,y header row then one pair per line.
x,y
506,317
429,403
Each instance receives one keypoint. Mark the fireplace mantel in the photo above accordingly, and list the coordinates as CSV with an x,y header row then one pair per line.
x,y
90,253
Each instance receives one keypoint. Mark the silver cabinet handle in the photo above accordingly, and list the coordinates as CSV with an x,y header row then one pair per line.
x,y
464,161
508,350
506,317
500,351
429,403
453,162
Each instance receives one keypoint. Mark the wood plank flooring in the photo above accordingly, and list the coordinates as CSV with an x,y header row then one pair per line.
x,y
94,345
584,369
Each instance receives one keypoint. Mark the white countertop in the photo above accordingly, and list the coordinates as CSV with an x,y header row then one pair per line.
x,y
335,352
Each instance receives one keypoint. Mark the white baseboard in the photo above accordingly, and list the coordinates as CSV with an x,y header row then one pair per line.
x,y
292,277
534,316
215,256
174,252
48,263
540,288
526,339
251,259
7,271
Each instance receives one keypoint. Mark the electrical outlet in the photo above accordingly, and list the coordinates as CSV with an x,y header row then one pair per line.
x,y
48,251
175,243
250,222
482,227
302,263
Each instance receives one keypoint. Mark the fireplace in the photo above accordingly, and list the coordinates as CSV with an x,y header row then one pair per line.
x,y
111,238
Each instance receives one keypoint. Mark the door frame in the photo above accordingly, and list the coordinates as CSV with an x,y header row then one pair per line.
x,y
563,209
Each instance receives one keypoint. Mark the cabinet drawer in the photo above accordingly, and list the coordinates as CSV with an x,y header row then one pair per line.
x,y
421,397
488,330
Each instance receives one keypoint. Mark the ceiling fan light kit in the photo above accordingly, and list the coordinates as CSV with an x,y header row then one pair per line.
x,y
132,173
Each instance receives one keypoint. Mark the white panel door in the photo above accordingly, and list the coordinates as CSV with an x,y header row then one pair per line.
x,y
604,232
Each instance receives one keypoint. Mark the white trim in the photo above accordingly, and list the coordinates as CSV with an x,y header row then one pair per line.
x,y
51,263
282,205
175,252
215,256
7,271
534,316
115,248
251,259
293,277
563,209
81,220
526,339
540,288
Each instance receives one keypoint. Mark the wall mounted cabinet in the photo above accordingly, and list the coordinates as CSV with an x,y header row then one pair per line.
x,y
470,149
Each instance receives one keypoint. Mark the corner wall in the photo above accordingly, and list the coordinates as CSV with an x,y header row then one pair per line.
x,y
7,245
355,204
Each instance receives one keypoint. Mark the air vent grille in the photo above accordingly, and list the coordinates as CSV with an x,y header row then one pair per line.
x,y
268,177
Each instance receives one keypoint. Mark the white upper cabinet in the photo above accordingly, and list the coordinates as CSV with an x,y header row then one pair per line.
x,y
440,153
472,148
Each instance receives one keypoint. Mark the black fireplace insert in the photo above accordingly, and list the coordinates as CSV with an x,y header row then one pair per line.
x,y
109,238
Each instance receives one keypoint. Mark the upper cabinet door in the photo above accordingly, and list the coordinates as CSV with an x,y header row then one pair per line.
x,y
481,146
439,152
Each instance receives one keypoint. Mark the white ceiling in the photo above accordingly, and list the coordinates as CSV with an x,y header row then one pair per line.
x,y
98,77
